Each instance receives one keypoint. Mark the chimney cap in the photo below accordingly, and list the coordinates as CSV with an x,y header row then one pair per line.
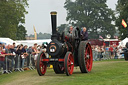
x,y
53,13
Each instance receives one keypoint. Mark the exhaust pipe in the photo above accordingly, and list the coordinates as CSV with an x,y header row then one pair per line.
x,y
53,22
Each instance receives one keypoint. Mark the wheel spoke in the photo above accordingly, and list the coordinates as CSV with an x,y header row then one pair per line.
x,y
69,62
62,68
88,65
86,49
69,68
42,64
87,57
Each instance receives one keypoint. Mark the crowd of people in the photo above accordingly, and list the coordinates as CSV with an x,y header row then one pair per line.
x,y
107,52
18,58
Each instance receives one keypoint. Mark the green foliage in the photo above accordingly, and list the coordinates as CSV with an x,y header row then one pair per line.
x,y
21,33
42,36
122,11
93,14
62,27
12,18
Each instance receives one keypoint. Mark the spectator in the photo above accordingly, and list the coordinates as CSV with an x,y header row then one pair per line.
x,y
93,51
9,58
108,56
14,46
35,52
115,52
33,56
96,52
19,53
111,50
99,53
44,46
1,49
2,59
29,51
17,58
13,53
24,54
102,52
119,52
1,45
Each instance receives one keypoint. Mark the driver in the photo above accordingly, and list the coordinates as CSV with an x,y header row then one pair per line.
x,y
70,30
68,33
84,34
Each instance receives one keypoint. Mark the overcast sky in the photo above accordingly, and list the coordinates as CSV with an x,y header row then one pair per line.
x,y
39,14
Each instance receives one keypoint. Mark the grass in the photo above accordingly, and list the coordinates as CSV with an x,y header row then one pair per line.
x,y
108,72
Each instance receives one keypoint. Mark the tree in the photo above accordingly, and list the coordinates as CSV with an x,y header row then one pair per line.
x,y
122,12
21,33
12,17
42,35
93,14
62,27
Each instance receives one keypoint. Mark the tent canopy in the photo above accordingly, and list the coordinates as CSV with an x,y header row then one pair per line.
x,y
6,41
123,42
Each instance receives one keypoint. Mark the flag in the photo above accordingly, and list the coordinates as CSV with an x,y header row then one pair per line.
x,y
101,37
35,33
124,23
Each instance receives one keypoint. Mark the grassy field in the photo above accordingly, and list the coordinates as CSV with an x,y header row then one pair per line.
x,y
112,72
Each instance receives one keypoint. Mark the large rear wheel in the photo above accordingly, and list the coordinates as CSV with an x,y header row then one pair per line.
x,y
69,63
41,66
85,57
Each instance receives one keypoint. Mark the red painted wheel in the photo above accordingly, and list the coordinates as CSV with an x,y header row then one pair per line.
x,y
69,63
85,57
41,66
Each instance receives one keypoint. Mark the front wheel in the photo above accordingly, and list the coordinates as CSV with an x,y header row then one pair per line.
x,y
41,66
69,63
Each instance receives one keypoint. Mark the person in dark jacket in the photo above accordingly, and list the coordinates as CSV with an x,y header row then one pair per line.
x,y
84,34
24,55
70,29
19,58
126,45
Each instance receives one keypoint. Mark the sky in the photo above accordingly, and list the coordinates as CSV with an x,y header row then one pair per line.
x,y
39,14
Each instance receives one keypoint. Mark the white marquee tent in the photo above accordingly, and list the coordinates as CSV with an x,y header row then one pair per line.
x,y
6,41
123,42
24,42
32,42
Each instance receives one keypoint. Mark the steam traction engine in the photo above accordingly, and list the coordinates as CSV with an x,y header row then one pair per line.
x,y
66,51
